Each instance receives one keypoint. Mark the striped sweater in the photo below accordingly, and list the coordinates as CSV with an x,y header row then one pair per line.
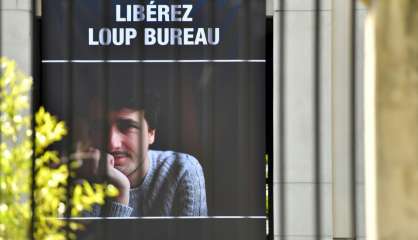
x,y
173,186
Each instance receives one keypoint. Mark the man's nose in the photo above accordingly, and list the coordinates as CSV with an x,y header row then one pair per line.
x,y
115,138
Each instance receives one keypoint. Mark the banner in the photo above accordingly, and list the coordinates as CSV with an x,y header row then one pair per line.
x,y
166,100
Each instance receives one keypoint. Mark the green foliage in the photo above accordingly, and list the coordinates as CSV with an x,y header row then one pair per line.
x,y
15,152
51,174
51,183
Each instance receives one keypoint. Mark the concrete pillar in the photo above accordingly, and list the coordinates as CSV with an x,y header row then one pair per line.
x,y
269,8
392,138
15,32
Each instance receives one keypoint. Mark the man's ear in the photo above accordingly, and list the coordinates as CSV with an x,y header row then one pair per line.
x,y
151,136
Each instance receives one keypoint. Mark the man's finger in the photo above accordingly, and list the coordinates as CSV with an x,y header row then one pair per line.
x,y
91,153
88,161
110,160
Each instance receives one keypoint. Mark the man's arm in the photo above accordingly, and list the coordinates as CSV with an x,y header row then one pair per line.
x,y
191,192
115,209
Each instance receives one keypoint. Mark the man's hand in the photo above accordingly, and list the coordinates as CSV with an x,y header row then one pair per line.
x,y
91,169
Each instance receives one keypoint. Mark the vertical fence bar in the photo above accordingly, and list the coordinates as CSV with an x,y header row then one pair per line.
x,y
354,112
104,118
269,125
279,205
317,112
35,98
68,108
342,119
141,86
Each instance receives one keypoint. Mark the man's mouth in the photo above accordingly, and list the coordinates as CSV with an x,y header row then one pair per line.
x,y
119,156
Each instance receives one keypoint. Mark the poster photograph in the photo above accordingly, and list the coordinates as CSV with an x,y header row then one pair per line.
x,y
165,100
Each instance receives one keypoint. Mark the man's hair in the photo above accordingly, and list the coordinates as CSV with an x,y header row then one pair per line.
x,y
121,86
129,90
139,101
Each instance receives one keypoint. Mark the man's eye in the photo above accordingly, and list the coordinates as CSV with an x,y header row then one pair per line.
x,y
126,126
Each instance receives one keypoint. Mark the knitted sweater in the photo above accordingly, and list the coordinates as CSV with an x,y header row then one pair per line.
x,y
173,186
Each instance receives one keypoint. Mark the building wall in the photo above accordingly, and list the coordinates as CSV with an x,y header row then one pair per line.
x,y
15,32
298,220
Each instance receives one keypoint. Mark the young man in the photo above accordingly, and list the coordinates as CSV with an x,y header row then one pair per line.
x,y
150,183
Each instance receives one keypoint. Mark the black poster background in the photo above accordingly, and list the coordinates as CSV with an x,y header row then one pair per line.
x,y
214,111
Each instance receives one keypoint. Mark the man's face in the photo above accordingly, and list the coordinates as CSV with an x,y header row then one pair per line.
x,y
128,140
